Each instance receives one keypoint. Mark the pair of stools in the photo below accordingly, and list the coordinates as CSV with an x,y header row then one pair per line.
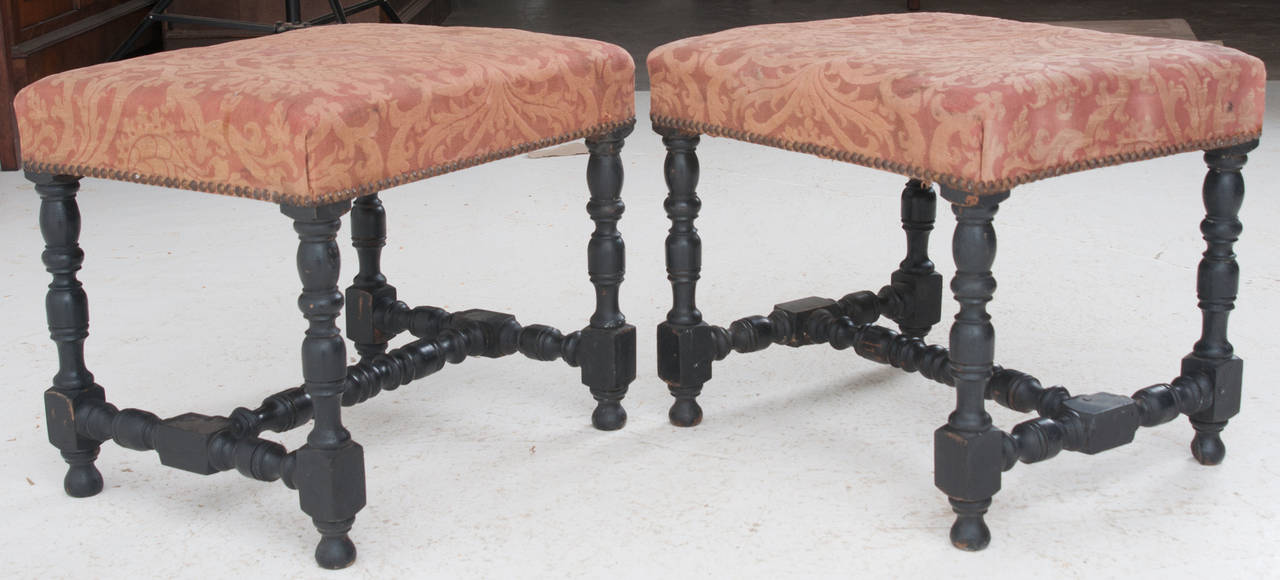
x,y
320,120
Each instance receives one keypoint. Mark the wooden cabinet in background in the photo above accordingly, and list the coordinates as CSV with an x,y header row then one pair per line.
x,y
43,37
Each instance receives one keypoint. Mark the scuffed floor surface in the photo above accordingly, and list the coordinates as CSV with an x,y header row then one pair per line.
x,y
810,463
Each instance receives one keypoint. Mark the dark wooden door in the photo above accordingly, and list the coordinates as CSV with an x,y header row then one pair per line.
x,y
43,37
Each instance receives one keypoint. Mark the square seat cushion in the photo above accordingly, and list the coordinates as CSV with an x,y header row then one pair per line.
x,y
978,104
327,113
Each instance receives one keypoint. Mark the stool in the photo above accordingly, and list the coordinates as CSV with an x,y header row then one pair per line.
x,y
310,120
977,106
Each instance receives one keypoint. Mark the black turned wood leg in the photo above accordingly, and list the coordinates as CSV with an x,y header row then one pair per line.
x,y
607,347
686,344
67,308
329,471
968,450
1217,282
369,292
914,294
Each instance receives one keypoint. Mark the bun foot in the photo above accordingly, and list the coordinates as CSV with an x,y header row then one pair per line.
x,y
685,412
1207,445
82,480
609,416
970,532
335,552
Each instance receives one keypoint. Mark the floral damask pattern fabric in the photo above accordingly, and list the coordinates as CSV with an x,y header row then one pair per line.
x,y
327,113
980,104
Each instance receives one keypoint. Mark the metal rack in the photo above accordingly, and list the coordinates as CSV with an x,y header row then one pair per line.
x,y
293,19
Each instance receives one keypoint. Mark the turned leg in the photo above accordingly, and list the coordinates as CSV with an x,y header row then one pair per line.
x,y
369,292
607,350
1217,281
67,308
916,286
685,343
329,471
968,450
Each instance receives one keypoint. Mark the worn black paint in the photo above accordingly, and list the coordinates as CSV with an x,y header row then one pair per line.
x,y
328,471
607,346
67,307
685,350
969,452
915,288
1217,281
369,290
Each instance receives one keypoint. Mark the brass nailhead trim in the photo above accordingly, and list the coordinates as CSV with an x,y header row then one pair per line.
x,y
954,182
325,198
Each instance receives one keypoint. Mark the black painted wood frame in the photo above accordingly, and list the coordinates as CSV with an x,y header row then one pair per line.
x,y
328,471
970,453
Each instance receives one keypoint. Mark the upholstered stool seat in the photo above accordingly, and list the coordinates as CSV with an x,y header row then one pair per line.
x,y
980,104
313,119
325,114
977,106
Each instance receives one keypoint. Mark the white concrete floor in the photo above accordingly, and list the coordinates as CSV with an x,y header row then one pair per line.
x,y
810,463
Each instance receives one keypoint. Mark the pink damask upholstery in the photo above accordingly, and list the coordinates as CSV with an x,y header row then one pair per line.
x,y
324,114
978,104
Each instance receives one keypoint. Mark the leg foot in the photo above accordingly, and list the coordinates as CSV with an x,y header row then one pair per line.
x,y
335,550
685,344
608,360
83,479
970,532
609,415
607,348
1217,281
67,307
329,469
1207,445
968,450
685,412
